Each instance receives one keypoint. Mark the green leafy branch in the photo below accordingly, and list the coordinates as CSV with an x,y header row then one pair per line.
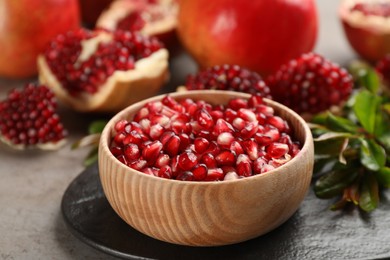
x,y
353,149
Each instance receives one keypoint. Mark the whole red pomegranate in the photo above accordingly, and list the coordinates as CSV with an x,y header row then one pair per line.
x,y
259,35
26,28
366,26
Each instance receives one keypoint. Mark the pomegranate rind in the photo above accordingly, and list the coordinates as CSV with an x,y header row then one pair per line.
x,y
120,90
121,8
369,35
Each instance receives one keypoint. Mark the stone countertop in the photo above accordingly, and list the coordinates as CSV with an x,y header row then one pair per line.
x,y
32,183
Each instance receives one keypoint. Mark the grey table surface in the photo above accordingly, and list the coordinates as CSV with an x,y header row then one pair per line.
x,y
32,183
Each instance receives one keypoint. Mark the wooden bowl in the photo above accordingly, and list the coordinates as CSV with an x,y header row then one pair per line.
x,y
207,213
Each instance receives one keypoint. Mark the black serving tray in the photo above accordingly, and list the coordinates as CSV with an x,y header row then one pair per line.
x,y
313,232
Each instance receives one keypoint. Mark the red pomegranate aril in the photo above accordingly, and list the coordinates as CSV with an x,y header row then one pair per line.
x,y
214,174
258,165
230,115
201,144
264,109
131,152
172,146
187,161
162,160
200,172
141,114
236,148
166,136
254,101
251,148
185,176
152,150
120,125
277,150
225,139
165,172
204,119
225,158
209,160
244,165
138,164
122,159
212,149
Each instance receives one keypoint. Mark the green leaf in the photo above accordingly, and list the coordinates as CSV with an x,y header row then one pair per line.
x,y
97,127
91,157
369,195
365,75
383,176
366,108
340,124
335,182
372,155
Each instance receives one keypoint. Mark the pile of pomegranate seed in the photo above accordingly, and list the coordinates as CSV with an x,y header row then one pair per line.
x,y
196,141
28,117
310,84
119,54
228,77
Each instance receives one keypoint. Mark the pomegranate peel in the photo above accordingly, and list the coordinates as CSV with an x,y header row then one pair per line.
x,y
368,31
152,18
123,87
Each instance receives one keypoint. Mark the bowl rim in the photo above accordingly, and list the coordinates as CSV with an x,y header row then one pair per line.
x,y
307,146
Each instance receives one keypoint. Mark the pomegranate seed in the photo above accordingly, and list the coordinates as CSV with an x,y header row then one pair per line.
x,y
236,148
231,176
162,160
209,160
258,165
192,147
120,125
225,139
200,172
277,150
165,172
251,148
201,144
277,122
152,150
237,103
225,158
244,165
214,174
172,146
187,161
141,114
185,176
204,119
138,164
264,109
254,101
131,152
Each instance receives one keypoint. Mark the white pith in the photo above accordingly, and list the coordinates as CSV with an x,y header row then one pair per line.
x,y
120,9
42,146
151,71
357,19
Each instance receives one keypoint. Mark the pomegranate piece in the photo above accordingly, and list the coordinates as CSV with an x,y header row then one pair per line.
x,y
366,27
310,84
102,71
149,17
229,151
28,119
228,77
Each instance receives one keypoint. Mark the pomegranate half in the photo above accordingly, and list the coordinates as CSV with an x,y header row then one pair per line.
x,y
367,26
102,71
149,17
258,35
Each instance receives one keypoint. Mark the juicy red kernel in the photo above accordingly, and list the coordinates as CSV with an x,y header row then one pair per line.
x,y
87,76
214,150
28,117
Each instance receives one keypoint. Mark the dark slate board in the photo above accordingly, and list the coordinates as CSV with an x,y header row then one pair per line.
x,y
313,232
